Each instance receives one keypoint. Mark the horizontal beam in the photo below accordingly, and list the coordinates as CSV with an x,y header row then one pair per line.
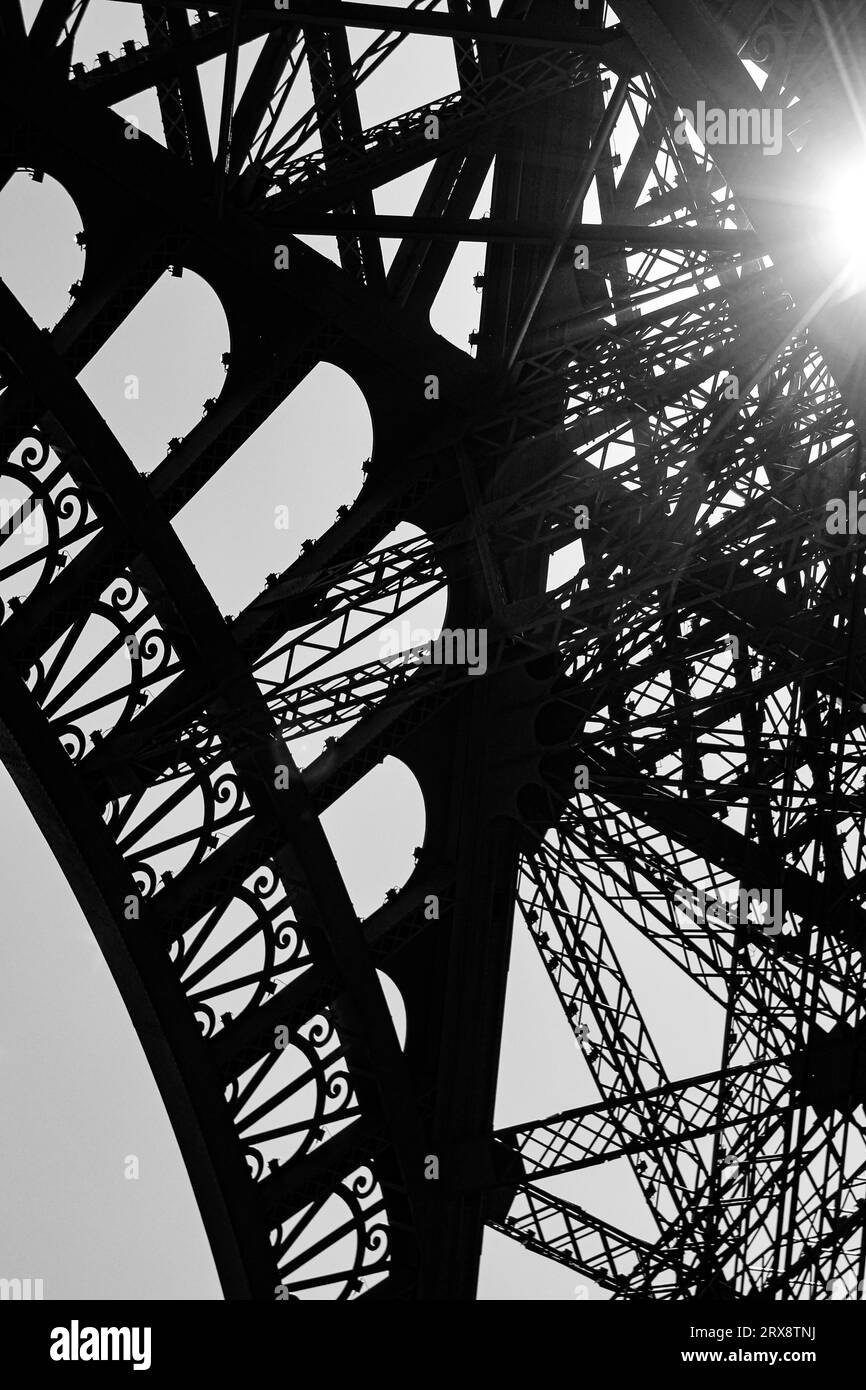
x,y
611,42
593,1134
486,229
131,73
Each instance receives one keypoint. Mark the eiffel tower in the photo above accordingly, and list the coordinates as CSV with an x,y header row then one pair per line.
x,y
622,484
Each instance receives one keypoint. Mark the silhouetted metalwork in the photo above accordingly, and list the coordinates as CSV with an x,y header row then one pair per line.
x,y
703,664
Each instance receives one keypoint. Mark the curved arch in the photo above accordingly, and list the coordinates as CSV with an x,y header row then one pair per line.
x,y
162,362
233,1213
380,823
286,480
41,227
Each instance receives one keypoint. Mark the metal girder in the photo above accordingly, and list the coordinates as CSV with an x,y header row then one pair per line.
x,y
452,25
595,1134
563,1232
339,121
12,25
486,230
586,971
258,93
382,153
178,131
202,637
50,22
147,67
198,140
452,188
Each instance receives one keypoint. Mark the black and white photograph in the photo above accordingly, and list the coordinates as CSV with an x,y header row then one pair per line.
x,y
432,674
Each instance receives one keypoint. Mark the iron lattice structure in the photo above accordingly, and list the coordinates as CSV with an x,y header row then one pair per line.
x,y
704,663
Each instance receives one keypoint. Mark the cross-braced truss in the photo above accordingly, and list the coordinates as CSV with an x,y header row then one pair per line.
x,y
624,489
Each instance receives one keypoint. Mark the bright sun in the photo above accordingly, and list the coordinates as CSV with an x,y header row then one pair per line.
x,y
841,199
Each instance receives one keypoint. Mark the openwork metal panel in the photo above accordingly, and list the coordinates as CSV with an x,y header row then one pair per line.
x,y
623,489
